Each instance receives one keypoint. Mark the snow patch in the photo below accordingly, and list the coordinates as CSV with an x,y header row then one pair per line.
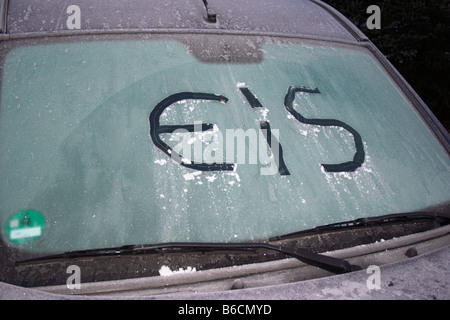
x,y
165,271
191,176
161,162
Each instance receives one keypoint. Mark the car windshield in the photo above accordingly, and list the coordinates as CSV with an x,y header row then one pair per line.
x,y
107,141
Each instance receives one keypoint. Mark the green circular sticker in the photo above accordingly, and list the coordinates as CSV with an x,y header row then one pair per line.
x,y
25,226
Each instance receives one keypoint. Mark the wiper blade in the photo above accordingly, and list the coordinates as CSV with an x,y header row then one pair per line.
x,y
442,217
329,263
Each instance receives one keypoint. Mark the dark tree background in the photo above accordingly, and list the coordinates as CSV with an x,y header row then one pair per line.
x,y
415,37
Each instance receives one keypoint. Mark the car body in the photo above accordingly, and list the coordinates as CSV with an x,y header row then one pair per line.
x,y
103,102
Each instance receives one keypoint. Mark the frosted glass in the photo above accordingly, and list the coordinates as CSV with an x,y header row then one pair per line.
x,y
75,144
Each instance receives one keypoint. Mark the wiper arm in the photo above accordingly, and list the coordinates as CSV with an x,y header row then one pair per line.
x,y
329,263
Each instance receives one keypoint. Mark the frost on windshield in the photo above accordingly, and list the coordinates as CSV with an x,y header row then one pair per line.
x,y
76,144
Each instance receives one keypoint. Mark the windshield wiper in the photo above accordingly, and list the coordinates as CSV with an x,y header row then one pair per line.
x,y
442,218
329,263
210,14
336,265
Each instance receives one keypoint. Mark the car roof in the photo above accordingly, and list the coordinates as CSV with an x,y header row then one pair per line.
x,y
308,18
